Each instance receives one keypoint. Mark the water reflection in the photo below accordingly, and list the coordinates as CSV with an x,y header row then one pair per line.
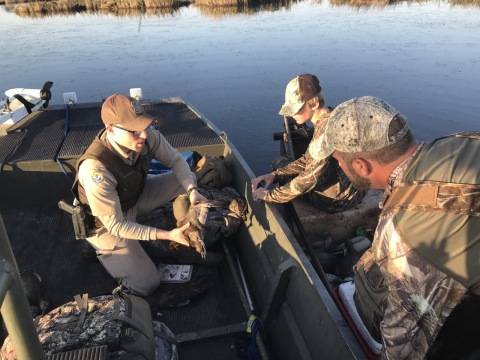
x,y
212,8
219,11
380,4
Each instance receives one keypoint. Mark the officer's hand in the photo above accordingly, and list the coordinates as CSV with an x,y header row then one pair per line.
x,y
260,194
268,178
195,197
178,236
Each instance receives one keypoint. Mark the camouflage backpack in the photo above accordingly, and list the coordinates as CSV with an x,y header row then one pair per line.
x,y
122,322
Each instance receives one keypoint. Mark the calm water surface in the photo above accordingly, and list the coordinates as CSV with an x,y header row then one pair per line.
x,y
424,59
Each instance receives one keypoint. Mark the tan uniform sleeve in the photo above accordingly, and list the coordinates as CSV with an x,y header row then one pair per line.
x,y
100,188
169,156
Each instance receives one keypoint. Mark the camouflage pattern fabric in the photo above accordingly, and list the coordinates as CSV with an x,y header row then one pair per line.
x,y
326,185
445,197
213,218
164,350
55,327
420,298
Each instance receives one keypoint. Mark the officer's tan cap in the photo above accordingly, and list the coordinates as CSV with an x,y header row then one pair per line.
x,y
360,125
298,92
126,111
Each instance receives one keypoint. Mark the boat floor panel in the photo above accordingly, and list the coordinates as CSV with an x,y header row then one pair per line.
x,y
8,145
77,140
44,136
42,240
181,126
45,131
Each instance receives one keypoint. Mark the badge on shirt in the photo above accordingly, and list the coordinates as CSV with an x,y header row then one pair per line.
x,y
97,176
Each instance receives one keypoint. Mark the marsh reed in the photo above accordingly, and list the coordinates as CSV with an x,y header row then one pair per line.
x,y
212,8
116,7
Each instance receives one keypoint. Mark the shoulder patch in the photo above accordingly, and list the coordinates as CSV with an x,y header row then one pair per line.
x,y
137,108
97,176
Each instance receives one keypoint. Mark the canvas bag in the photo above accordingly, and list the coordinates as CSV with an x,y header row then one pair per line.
x,y
213,171
122,322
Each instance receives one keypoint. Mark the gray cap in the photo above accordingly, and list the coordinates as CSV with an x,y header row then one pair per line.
x,y
359,125
299,90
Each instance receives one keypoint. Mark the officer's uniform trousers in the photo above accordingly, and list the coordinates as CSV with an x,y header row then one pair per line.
x,y
126,260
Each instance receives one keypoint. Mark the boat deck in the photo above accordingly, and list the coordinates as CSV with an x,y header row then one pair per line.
x,y
42,237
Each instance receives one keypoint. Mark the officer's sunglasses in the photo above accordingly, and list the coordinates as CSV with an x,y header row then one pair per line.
x,y
133,132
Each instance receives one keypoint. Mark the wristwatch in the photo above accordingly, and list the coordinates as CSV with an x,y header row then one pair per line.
x,y
190,190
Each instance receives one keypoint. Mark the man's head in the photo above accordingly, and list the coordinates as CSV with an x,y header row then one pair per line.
x,y
368,137
302,94
125,121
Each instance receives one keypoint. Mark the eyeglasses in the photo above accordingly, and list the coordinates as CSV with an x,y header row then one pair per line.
x,y
133,132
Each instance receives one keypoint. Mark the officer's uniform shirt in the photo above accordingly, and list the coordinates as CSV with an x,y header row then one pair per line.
x,y
100,185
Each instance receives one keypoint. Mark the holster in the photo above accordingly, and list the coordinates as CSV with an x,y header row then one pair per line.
x,y
80,223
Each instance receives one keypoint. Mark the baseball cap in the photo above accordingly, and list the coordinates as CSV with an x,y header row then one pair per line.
x,y
359,125
126,111
299,90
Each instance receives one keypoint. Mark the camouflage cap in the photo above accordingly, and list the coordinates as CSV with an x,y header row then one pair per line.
x,y
359,125
126,111
299,90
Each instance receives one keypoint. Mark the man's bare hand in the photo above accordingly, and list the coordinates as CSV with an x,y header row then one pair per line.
x,y
260,194
268,178
195,197
178,236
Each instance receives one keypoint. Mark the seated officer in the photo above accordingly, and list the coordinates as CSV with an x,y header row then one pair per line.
x,y
326,184
427,242
112,180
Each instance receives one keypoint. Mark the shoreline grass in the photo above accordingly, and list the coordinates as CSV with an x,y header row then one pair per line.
x,y
214,8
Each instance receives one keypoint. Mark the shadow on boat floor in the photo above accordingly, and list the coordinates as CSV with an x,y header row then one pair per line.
x,y
42,240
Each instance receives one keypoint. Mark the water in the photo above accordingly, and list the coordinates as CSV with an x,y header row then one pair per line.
x,y
424,59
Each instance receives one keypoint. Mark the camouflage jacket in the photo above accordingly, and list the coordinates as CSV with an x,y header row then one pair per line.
x,y
332,190
421,297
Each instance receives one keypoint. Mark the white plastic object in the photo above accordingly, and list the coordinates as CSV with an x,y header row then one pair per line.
x,y
16,111
70,98
360,243
136,93
34,93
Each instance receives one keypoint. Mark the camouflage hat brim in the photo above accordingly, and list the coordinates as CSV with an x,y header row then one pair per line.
x,y
290,109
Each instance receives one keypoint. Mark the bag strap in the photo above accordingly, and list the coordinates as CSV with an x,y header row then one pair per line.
x,y
113,337
166,337
128,320
82,304
435,196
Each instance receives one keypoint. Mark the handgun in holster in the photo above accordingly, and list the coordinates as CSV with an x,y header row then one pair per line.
x,y
80,219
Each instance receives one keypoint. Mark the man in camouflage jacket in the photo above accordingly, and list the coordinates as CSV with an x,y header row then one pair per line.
x,y
331,190
376,149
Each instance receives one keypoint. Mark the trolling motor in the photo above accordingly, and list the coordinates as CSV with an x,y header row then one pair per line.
x,y
21,102
43,94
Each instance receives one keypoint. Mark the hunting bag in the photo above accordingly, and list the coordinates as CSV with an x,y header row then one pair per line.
x,y
122,322
213,171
